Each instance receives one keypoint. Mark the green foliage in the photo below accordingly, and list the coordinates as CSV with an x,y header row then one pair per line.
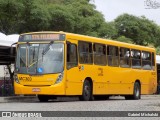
x,y
86,19
35,16
57,15
61,18
158,50
124,39
108,30
23,16
10,12
139,29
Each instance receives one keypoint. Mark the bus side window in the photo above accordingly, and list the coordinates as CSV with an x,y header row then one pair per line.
x,y
136,58
124,57
112,55
71,56
146,60
100,54
85,52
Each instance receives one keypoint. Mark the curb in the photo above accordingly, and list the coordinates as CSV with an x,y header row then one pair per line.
x,y
33,99
18,99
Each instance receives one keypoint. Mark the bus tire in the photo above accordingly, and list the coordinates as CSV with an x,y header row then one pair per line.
x,y
43,98
137,91
86,92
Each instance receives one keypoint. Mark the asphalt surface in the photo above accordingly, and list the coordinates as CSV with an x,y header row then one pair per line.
x,y
115,103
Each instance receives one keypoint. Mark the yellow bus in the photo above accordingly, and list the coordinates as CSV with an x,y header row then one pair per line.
x,y
53,64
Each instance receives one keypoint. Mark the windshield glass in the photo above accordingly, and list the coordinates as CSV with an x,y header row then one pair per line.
x,y
40,58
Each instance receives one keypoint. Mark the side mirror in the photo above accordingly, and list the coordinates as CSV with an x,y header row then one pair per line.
x,y
12,51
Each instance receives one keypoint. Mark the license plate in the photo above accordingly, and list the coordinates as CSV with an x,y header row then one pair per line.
x,y
36,89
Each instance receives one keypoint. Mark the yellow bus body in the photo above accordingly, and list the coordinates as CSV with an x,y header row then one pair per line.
x,y
107,80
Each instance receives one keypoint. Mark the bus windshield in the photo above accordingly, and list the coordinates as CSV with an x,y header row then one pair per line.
x,y
40,58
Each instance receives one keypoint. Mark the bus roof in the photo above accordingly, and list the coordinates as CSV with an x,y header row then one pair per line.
x,y
96,40
106,41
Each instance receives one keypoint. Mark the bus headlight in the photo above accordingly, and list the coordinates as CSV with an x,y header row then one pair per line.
x,y
16,79
59,78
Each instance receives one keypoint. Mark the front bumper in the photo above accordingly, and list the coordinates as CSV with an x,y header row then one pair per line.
x,y
57,89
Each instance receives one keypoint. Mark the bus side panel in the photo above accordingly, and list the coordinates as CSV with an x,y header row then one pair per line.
x,y
145,75
76,77
74,81
149,83
119,80
99,76
153,82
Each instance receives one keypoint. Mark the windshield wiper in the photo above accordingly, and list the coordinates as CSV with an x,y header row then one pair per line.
x,y
47,48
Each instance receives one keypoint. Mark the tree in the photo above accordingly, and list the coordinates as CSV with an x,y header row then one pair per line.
x,y
35,16
87,20
139,29
56,15
75,16
17,16
10,13
108,30
61,19
124,39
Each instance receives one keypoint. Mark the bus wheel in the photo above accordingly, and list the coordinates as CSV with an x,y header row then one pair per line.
x,y
137,91
43,98
87,91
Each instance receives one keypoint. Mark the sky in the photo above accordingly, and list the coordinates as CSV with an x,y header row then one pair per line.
x,y
113,8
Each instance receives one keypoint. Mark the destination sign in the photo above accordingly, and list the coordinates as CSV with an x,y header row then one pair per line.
x,y
41,36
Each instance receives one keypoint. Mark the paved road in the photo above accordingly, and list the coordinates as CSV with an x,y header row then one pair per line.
x,y
147,103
